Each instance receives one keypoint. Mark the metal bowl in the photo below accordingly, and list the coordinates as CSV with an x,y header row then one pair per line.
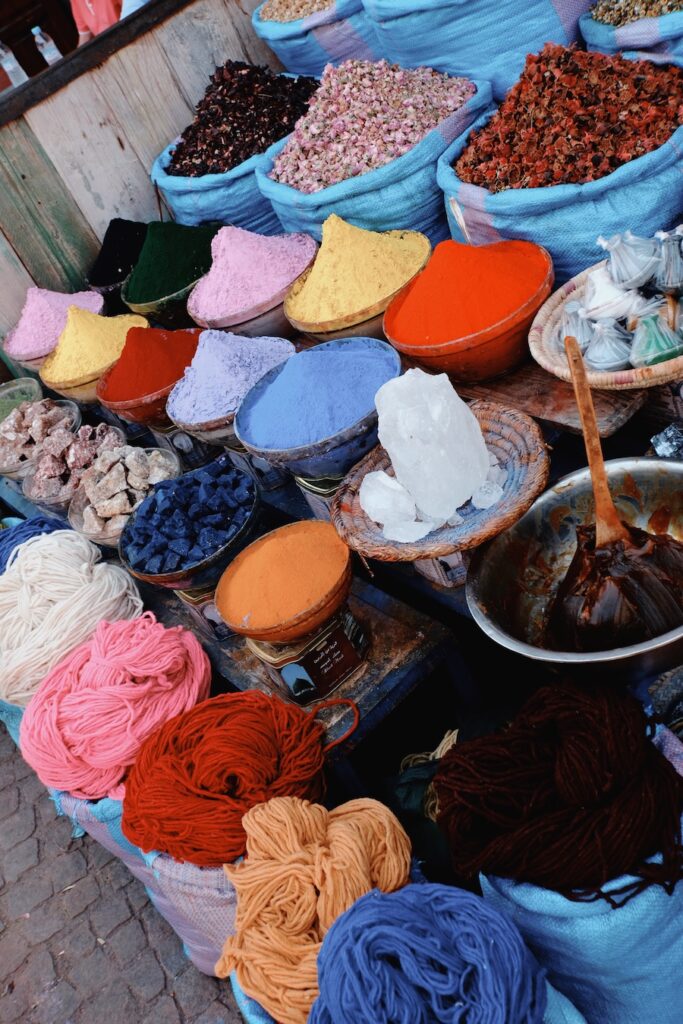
x,y
512,580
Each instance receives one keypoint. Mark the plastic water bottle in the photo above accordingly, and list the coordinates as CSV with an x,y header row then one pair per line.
x,y
46,45
11,66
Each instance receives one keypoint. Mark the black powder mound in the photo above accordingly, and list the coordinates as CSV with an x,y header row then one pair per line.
x,y
121,247
244,111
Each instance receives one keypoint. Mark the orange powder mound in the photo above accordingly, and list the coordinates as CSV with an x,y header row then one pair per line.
x,y
465,289
282,575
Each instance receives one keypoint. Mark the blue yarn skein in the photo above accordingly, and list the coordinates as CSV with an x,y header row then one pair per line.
x,y
427,954
16,535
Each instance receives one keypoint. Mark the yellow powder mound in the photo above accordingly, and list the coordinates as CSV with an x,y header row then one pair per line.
x,y
356,269
87,346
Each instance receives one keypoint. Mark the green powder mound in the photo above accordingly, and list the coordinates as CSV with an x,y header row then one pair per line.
x,y
172,257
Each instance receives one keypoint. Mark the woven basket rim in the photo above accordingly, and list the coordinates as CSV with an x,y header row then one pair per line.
x,y
545,323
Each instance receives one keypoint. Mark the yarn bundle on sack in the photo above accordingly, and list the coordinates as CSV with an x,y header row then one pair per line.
x,y
573,815
53,594
304,867
570,796
430,953
84,727
19,534
196,776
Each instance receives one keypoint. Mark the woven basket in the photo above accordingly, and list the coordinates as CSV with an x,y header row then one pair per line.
x,y
516,441
547,322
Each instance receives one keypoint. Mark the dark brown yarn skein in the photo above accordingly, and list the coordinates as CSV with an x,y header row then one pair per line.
x,y
569,796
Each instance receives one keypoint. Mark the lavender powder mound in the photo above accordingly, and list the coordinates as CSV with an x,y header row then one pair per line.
x,y
224,368
317,394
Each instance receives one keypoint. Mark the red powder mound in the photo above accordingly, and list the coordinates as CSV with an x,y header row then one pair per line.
x,y
151,360
465,289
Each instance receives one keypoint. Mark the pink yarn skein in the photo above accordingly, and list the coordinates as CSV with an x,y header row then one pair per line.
x,y
84,726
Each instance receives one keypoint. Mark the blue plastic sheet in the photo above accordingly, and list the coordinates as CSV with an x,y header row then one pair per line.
x,y
403,194
645,195
306,45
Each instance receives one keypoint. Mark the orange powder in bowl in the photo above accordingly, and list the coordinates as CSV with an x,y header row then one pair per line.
x,y
465,289
281,576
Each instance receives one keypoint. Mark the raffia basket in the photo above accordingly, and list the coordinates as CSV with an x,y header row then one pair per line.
x,y
545,325
516,441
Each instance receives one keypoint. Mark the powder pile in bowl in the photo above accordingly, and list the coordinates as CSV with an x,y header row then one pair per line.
x,y
87,346
121,247
172,258
573,117
364,115
292,10
354,271
244,111
465,289
282,575
43,319
152,360
316,394
224,368
248,270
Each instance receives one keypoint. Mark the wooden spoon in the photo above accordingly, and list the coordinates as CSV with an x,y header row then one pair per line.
x,y
608,524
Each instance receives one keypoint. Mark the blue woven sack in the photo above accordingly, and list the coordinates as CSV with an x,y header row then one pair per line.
x,y
229,198
331,36
403,194
618,966
645,195
488,39
662,36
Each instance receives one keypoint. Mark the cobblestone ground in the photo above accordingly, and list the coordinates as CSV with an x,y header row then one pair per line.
x,y
80,943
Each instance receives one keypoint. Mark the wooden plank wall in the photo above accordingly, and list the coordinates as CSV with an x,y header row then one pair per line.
x,y
82,156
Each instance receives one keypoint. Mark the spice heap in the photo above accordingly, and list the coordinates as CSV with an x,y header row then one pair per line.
x,y
292,10
63,460
317,394
224,368
247,271
363,116
244,111
87,346
282,575
186,520
623,12
151,360
172,258
573,117
438,469
117,483
121,247
356,270
43,319
24,433
465,289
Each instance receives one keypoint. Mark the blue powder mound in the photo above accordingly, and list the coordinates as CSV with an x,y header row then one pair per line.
x,y
317,394
185,520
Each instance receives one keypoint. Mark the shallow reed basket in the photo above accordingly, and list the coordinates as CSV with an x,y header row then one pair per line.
x,y
554,361
363,323
516,441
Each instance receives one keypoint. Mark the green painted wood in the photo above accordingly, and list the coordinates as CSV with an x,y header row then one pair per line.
x,y
43,224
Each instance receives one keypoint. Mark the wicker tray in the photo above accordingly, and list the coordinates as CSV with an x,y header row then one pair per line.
x,y
545,325
516,441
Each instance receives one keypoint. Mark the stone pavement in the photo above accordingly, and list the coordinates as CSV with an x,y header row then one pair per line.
x,y
80,942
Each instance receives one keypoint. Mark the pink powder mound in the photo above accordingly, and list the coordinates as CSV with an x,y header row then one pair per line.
x,y
249,270
43,319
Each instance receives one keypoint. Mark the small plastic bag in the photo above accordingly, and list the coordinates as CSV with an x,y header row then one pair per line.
x,y
604,300
654,342
573,323
633,261
655,305
669,276
610,348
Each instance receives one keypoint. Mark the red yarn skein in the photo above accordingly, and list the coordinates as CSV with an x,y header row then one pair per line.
x,y
573,794
195,778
